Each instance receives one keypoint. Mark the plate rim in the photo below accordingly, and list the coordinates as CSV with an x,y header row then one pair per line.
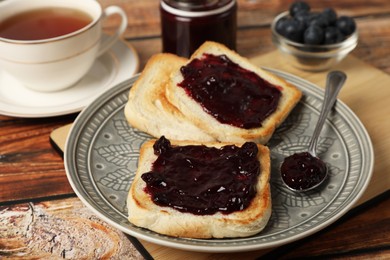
x,y
228,248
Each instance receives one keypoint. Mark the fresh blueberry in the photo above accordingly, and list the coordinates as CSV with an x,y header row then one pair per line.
x,y
333,35
294,30
281,24
303,17
330,15
346,25
313,35
319,20
299,6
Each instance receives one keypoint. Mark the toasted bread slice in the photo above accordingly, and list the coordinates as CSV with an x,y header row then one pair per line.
x,y
226,132
147,108
143,212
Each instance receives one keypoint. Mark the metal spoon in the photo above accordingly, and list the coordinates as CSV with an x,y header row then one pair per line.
x,y
305,171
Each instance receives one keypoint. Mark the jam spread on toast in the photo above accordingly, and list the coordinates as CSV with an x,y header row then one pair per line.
x,y
203,180
231,94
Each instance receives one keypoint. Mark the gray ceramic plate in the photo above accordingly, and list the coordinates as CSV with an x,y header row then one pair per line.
x,y
102,152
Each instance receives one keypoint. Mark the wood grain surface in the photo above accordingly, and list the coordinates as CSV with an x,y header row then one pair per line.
x,y
32,172
63,228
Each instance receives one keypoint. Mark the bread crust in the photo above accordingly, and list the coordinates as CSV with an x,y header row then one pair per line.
x,y
148,109
168,221
224,132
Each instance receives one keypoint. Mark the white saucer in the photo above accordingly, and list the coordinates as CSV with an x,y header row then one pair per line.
x,y
116,65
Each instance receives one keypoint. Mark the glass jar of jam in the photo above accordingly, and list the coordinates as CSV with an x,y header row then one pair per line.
x,y
186,24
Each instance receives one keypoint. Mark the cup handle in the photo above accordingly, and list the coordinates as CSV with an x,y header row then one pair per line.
x,y
108,42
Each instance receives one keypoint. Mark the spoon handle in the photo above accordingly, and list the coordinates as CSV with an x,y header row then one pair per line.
x,y
334,82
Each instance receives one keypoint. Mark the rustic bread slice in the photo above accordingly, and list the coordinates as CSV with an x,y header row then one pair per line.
x,y
147,108
226,132
143,212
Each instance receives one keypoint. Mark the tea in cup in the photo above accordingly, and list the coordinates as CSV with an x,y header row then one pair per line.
x,y
49,45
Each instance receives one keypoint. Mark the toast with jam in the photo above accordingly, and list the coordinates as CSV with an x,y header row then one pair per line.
x,y
228,97
147,108
201,189
217,95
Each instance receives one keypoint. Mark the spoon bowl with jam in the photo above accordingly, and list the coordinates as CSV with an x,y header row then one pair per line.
x,y
305,171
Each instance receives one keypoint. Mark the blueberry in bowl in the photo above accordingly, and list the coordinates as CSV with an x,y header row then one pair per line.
x,y
313,40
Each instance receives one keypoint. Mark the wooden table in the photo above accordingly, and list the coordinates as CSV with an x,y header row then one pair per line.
x,y
34,188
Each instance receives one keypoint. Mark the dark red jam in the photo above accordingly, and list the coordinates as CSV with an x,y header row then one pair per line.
x,y
231,94
303,171
186,24
203,180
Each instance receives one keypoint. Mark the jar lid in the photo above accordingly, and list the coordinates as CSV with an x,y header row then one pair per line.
x,y
196,8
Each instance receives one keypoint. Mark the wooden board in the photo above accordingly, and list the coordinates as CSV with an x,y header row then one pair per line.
x,y
366,92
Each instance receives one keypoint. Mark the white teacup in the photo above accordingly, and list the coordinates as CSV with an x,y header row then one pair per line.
x,y
56,63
